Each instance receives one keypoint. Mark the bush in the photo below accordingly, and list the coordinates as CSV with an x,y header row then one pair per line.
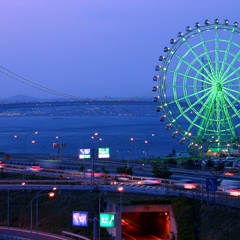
x,y
161,172
125,170
172,161
209,163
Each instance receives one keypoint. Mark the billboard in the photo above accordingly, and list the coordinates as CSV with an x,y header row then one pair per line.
x,y
103,153
59,145
80,219
84,153
107,220
55,145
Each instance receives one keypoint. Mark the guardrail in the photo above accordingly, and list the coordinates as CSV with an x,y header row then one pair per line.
x,y
165,190
74,235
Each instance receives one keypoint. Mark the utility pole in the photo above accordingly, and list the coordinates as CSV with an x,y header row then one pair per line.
x,y
92,172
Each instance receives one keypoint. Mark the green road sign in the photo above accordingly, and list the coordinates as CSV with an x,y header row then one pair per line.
x,y
103,153
107,220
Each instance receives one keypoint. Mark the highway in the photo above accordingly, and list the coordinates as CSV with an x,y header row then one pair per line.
x,y
166,187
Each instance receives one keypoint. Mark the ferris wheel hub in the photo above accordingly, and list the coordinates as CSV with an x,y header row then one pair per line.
x,y
219,86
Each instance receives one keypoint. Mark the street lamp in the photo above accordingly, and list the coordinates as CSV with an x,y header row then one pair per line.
x,y
152,147
59,145
134,139
92,137
22,184
50,194
228,146
92,162
16,136
99,210
146,142
25,150
120,189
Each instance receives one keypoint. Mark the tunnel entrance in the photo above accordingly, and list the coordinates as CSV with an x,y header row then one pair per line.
x,y
142,222
152,223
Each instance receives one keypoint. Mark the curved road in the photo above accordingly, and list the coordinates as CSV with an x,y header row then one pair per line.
x,y
26,234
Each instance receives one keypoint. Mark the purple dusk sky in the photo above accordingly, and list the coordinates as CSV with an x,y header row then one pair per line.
x,y
97,48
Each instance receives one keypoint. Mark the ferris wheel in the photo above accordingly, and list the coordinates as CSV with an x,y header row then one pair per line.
x,y
198,84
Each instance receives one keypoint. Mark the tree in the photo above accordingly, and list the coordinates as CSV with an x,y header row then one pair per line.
x,y
209,163
104,170
219,167
81,169
217,176
172,161
2,175
161,171
190,162
125,170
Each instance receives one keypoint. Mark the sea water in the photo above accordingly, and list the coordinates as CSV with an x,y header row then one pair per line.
x,y
76,132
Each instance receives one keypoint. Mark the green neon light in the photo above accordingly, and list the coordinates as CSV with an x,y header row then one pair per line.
x,y
209,92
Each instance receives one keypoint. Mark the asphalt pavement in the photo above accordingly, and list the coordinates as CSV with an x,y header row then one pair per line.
x,y
26,234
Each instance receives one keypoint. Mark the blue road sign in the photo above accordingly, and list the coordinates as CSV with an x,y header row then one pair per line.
x,y
211,184
80,219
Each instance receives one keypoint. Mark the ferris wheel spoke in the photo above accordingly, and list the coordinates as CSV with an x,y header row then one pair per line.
x,y
230,66
232,106
181,86
195,103
206,51
233,85
209,117
233,128
201,110
230,95
195,69
226,90
227,52
231,80
227,118
216,52
185,75
191,95
197,57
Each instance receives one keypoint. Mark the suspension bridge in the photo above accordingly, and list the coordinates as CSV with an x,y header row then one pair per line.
x,y
19,92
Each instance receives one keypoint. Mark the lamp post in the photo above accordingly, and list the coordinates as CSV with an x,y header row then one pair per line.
x,y
51,194
92,137
228,147
22,184
146,142
99,210
21,149
25,150
152,147
92,162
120,189
59,147
134,139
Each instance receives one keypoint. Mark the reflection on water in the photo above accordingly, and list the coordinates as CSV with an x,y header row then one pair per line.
x,y
76,131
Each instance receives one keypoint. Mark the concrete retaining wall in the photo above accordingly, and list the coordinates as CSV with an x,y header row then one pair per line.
x,y
159,218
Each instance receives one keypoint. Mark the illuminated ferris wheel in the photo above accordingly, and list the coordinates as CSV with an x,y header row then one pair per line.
x,y
198,84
